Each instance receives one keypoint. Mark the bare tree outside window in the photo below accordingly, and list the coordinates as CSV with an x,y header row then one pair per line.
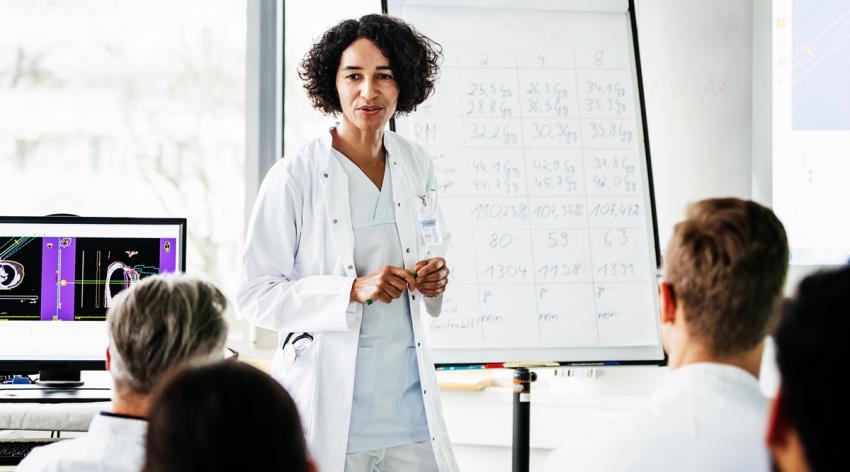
x,y
128,108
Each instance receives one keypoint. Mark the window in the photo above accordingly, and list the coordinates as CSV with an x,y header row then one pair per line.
x,y
128,108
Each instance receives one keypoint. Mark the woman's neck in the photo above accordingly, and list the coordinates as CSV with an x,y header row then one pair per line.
x,y
366,147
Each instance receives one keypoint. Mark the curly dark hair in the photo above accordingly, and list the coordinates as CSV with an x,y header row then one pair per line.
x,y
414,59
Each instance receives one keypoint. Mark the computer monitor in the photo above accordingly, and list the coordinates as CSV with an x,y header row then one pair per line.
x,y
60,274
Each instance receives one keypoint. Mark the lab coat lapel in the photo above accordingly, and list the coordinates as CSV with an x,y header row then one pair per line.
x,y
335,188
405,191
405,214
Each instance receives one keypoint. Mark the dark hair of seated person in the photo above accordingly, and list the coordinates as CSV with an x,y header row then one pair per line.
x,y
812,349
224,416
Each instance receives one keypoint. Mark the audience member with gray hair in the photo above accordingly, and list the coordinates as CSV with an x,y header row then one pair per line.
x,y
164,322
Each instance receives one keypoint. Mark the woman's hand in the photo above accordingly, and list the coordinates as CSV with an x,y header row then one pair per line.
x,y
384,285
432,276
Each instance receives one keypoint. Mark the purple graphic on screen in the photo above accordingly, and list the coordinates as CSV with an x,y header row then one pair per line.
x,y
167,255
57,278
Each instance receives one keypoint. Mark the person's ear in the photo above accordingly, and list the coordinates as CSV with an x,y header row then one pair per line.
x,y
777,426
668,302
783,440
108,360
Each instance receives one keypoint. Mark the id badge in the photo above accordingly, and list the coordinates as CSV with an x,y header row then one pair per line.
x,y
429,228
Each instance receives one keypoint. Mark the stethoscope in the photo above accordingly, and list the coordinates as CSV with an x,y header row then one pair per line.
x,y
297,346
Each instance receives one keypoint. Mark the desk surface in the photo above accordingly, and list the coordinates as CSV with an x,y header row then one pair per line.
x,y
50,416
40,394
56,416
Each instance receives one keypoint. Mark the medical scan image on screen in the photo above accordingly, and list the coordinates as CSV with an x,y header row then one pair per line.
x,y
75,278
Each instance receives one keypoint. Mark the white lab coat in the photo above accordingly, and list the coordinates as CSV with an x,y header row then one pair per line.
x,y
299,268
705,417
113,443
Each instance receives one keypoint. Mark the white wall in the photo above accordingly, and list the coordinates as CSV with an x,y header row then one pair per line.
x,y
697,72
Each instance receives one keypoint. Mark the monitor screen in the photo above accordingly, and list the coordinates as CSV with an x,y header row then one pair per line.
x,y
60,275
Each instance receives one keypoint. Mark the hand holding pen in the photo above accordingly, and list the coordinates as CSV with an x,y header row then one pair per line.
x,y
384,285
432,276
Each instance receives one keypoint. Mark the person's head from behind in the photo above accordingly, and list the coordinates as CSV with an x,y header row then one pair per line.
x,y
160,323
809,416
369,69
724,269
221,417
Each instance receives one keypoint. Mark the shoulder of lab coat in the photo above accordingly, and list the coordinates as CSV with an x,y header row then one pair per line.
x,y
273,295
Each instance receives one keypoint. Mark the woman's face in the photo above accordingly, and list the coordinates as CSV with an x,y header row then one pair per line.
x,y
368,93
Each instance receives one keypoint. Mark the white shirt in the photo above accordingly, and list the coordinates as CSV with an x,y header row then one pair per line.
x,y
704,417
113,443
387,408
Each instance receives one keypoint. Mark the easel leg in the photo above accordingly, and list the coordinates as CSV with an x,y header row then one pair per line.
x,y
522,418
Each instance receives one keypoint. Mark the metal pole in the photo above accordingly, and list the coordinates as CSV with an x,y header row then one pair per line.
x,y
522,418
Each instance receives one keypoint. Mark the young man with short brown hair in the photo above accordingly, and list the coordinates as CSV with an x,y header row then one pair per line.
x,y
724,269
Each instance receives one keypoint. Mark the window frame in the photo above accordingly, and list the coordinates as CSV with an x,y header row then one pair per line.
x,y
264,82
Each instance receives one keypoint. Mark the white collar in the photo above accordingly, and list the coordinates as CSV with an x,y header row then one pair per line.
x,y
715,371
118,425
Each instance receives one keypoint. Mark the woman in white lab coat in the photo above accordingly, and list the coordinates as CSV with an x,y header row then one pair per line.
x,y
343,252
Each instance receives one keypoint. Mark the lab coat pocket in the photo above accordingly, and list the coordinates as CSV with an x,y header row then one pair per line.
x,y
410,406
365,375
297,368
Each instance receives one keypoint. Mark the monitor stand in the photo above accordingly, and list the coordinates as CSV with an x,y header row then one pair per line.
x,y
65,378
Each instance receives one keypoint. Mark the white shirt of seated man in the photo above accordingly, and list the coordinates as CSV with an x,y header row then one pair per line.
x,y
115,441
708,415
